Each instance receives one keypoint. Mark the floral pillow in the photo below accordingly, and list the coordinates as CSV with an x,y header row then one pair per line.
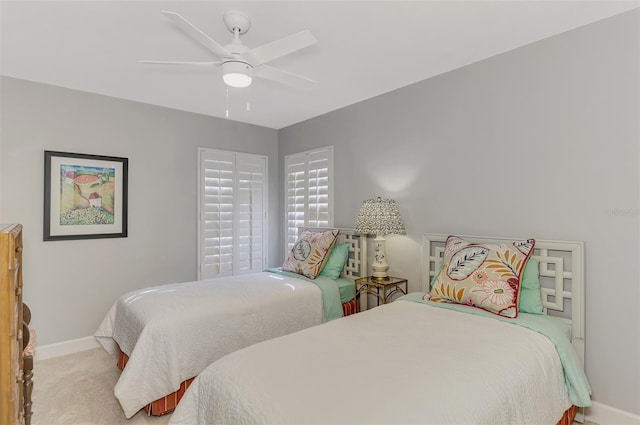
x,y
310,252
486,276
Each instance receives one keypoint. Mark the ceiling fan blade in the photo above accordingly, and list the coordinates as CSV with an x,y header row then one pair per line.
x,y
195,33
279,48
287,78
182,63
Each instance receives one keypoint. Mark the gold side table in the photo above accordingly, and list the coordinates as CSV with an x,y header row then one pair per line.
x,y
382,289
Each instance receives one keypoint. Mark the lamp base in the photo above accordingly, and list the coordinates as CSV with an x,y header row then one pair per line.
x,y
380,265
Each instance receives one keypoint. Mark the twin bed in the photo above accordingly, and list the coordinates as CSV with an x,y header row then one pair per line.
x,y
163,336
414,360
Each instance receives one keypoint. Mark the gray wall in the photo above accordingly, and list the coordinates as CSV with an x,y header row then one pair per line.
x,y
538,142
70,285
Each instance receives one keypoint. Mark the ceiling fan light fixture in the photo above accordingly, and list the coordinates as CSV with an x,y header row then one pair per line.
x,y
237,74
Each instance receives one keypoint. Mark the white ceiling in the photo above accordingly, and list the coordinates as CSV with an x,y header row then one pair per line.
x,y
365,48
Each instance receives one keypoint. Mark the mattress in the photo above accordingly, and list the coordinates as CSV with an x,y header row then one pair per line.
x,y
425,364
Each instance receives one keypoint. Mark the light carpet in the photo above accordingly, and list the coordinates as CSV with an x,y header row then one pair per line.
x,y
78,389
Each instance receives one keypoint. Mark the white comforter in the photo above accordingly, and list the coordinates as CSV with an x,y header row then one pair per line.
x,y
173,332
399,363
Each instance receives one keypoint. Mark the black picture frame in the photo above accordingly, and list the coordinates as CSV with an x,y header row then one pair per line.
x,y
85,196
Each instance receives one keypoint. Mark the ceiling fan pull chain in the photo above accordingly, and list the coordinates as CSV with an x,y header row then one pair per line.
x,y
227,103
249,99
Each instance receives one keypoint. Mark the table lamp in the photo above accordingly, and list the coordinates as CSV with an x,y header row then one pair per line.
x,y
379,217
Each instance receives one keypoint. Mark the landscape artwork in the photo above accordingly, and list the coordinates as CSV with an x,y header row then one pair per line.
x,y
85,196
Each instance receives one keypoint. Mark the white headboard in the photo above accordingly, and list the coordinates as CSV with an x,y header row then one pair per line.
x,y
356,265
561,276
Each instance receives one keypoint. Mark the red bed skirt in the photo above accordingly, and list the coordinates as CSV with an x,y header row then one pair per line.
x,y
351,307
569,416
168,403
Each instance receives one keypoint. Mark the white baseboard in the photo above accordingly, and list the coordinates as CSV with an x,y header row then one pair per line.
x,y
58,349
603,414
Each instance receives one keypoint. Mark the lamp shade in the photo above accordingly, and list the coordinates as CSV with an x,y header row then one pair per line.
x,y
379,217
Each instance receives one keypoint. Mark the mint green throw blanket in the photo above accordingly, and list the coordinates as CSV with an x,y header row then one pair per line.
x,y
331,304
556,330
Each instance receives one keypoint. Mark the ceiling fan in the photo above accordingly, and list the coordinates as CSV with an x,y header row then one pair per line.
x,y
238,63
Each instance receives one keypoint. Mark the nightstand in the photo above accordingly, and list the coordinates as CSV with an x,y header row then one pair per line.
x,y
382,289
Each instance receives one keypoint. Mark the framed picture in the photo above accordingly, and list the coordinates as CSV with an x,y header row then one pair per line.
x,y
85,196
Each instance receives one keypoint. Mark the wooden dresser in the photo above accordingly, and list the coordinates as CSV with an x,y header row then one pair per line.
x,y
11,331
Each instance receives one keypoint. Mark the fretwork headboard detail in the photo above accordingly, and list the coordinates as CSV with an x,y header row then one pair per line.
x,y
356,265
561,272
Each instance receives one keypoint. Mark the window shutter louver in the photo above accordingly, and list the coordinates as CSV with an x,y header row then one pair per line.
x,y
232,213
309,189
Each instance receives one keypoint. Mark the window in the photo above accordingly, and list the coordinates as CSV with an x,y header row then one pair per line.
x,y
233,213
309,191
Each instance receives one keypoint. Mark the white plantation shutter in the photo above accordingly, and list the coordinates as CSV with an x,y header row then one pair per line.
x,y
309,191
232,225
250,214
216,218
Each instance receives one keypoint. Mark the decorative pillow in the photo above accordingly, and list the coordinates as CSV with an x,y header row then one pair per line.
x,y
486,276
530,293
337,259
310,252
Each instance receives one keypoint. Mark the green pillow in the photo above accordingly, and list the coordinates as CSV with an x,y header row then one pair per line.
x,y
530,294
337,259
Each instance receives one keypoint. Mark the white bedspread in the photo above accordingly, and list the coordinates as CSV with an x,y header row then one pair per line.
x,y
399,363
173,332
